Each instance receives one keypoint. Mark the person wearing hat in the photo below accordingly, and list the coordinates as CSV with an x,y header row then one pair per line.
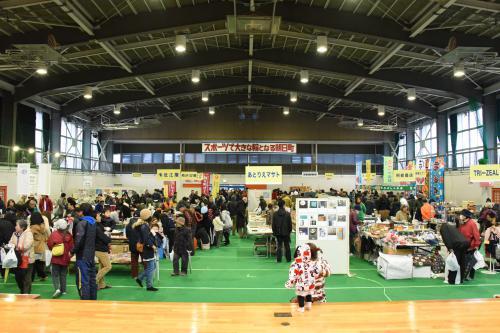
x,y
182,244
61,237
146,247
468,227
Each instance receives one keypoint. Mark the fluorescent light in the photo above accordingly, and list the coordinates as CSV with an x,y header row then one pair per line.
x,y
57,155
360,122
15,148
380,111
321,44
304,76
137,121
180,43
204,96
293,96
411,94
42,70
195,75
459,70
87,92
117,110
286,110
31,151
211,110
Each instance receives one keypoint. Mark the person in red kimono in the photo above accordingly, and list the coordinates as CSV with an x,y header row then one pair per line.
x,y
46,207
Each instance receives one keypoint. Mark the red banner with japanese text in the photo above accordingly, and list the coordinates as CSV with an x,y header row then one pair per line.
x,y
239,147
169,188
205,183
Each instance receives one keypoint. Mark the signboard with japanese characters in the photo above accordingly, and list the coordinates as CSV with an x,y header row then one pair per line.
x,y
309,173
168,174
191,176
260,175
388,169
397,187
403,176
485,173
240,147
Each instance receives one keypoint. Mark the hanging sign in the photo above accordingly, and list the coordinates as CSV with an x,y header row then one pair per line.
x,y
136,174
191,176
359,173
436,181
168,174
87,182
403,176
169,188
23,178
397,188
309,173
260,175
44,177
205,183
215,185
388,169
329,175
485,173
239,147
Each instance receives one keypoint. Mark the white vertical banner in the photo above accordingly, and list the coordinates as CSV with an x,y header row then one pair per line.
x,y
23,178
87,182
44,178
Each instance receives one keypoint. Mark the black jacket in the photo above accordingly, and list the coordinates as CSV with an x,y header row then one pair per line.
x,y
85,237
102,241
126,212
282,223
131,235
145,237
383,204
183,240
6,231
108,222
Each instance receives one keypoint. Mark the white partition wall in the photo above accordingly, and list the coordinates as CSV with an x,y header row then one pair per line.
x,y
325,222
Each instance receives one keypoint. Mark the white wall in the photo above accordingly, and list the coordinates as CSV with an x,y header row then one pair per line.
x,y
457,188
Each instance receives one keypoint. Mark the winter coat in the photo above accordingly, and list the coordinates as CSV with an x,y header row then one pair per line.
x,y
6,231
218,224
85,236
102,240
61,237
226,218
132,235
40,236
183,240
108,222
145,237
303,272
324,271
471,232
25,242
282,223
45,205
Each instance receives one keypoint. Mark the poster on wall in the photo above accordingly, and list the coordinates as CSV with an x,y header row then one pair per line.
x,y
388,169
87,182
205,183
23,181
44,178
436,181
263,175
325,222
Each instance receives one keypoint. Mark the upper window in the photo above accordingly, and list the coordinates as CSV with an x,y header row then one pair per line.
x,y
71,145
426,140
469,145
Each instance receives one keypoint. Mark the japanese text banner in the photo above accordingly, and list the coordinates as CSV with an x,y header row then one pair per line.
x,y
485,173
240,147
260,175
403,176
168,174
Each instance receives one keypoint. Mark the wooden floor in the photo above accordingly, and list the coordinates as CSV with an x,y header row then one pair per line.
x,y
22,315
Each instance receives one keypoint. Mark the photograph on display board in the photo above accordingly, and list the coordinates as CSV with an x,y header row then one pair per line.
x,y
340,233
342,203
322,217
313,204
342,218
332,204
304,223
332,231
313,222
322,204
313,233
303,204
303,233
331,219
322,233
303,217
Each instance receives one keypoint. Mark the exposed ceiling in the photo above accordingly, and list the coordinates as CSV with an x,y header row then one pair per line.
x,y
250,53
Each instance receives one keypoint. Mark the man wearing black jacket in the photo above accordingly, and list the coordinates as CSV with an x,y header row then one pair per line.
x,y
85,237
282,227
148,241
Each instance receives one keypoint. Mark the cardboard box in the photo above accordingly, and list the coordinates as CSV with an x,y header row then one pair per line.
x,y
402,252
117,249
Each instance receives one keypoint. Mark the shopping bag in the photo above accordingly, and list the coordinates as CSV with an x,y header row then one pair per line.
x,y
48,257
451,265
10,259
2,254
480,260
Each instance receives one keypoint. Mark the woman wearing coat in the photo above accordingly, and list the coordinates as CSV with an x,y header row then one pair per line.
x,y
39,226
22,240
59,264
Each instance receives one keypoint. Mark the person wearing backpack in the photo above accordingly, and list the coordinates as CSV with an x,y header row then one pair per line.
x,y
60,242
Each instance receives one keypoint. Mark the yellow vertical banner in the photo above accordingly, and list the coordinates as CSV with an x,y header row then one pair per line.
x,y
215,185
368,166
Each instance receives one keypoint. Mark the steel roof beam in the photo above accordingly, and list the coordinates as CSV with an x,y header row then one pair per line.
x,y
430,16
493,7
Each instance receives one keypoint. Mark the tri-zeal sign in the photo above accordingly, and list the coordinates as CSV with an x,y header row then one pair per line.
x,y
484,173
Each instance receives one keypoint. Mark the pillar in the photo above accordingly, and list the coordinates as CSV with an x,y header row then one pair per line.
x,y
55,134
442,134
87,134
490,127
410,144
8,117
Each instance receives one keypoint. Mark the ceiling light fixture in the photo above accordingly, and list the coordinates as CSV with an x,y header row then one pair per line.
x,y
42,70
211,110
180,43
458,70
57,155
15,148
293,96
286,110
380,112
31,151
204,96
117,110
321,44
411,94
195,75
360,122
137,121
87,92
304,76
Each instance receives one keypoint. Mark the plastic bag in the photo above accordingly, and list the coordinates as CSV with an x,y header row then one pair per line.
x,y
451,264
480,260
2,254
10,259
48,257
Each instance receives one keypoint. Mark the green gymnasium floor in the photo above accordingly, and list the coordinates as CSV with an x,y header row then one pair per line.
x,y
233,274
